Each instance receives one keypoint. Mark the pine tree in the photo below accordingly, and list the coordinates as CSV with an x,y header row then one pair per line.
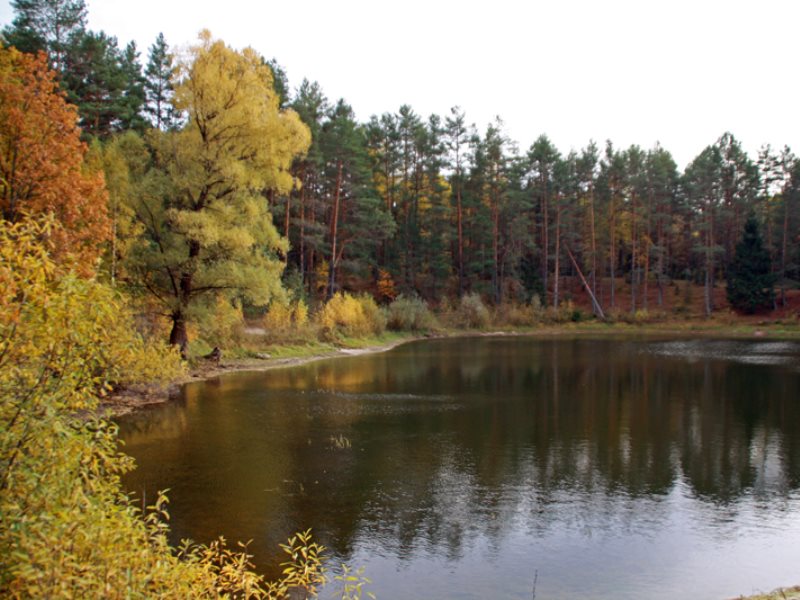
x,y
280,81
48,25
96,82
357,222
542,158
134,96
702,182
750,277
159,74
311,106
456,139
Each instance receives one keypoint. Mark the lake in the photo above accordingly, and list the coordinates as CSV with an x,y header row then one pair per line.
x,y
486,467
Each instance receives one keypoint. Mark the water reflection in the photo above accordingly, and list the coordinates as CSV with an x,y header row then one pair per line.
x,y
598,455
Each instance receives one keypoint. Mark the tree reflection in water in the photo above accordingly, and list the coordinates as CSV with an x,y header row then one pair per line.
x,y
474,445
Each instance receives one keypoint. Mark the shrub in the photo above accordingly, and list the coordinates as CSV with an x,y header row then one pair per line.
x,y
355,316
565,313
514,314
537,308
278,317
410,314
219,323
472,313
300,313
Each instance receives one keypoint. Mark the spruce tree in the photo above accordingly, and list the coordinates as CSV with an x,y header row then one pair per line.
x,y
750,280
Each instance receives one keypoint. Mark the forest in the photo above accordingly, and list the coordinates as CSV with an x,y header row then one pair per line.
x,y
397,205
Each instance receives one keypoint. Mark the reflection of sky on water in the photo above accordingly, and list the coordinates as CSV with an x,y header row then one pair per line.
x,y
745,352
613,472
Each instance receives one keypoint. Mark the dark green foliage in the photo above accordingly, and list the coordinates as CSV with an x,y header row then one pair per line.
x,y
280,81
358,221
51,26
750,280
530,276
132,102
158,86
96,83
106,84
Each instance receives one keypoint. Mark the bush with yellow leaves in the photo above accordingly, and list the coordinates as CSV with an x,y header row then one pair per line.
x,y
282,316
219,322
354,316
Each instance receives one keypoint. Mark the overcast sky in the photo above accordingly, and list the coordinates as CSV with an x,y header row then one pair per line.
x,y
680,72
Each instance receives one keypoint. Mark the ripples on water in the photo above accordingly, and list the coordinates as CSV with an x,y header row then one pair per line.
x,y
745,352
614,468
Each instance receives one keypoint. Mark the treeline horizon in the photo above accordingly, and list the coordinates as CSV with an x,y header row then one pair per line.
x,y
402,204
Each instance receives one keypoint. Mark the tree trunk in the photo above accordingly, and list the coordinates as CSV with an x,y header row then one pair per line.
x,y
594,241
596,307
286,220
496,246
545,240
178,336
303,226
557,267
660,269
460,219
612,249
784,248
646,274
334,231
709,285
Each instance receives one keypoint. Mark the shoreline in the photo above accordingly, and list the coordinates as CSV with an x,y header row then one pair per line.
x,y
142,397
138,397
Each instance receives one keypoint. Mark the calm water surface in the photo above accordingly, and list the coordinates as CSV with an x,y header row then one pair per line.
x,y
612,468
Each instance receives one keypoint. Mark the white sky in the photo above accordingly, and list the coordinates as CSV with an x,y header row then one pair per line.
x,y
680,72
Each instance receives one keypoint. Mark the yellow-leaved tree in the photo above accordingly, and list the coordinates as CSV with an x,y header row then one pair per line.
x,y
203,229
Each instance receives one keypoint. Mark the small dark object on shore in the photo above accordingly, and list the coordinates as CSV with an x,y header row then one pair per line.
x,y
214,355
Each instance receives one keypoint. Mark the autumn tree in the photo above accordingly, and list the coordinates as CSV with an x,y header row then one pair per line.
x,y
206,233
42,166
